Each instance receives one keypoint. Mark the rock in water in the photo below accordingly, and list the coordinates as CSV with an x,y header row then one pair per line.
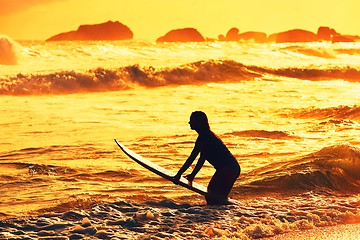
x,y
182,35
104,31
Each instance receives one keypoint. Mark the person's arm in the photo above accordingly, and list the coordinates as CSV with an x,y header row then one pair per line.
x,y
196,150
197,168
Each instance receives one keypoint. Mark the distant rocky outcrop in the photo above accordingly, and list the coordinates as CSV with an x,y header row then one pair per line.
x,y
323,34
326,33
104,31
354,38
182,35
234,35
329,34
295,35
117,31
259,37
343,38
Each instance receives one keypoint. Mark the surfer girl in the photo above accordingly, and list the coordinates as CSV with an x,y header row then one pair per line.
x,y
211,148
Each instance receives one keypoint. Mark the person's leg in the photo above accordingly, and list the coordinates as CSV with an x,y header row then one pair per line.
x,y
220,185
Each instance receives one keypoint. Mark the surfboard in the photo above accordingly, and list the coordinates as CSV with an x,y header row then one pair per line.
x,y
168,175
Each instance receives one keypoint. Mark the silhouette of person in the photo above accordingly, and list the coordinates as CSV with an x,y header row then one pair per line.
x,y
211,148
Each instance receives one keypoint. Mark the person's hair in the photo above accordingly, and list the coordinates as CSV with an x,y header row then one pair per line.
x,y
201,118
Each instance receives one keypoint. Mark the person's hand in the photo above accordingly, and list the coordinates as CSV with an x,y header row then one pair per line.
x,y
176,179
190,178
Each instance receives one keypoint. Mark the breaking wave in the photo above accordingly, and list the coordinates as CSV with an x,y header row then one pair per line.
x,y
123,78
332,169
127,77
338,113
336,73
315,52
347,73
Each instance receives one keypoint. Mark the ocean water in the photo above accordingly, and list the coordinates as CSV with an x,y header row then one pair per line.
x,y
290,113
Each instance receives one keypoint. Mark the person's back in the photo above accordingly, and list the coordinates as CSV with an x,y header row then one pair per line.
x,y
215,151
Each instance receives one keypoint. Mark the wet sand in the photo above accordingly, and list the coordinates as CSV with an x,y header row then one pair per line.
x,y
348,232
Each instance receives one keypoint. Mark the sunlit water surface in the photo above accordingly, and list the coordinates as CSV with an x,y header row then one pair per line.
x,y
288,112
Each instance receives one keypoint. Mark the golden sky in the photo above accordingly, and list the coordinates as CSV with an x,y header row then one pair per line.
x,y
150,19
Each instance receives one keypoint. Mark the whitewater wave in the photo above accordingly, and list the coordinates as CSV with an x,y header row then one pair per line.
x,y
332,169
165,219
127,77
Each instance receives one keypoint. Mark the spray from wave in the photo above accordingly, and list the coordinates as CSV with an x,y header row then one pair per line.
x,y
8,51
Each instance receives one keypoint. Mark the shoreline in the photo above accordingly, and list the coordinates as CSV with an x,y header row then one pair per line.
x,y
338,232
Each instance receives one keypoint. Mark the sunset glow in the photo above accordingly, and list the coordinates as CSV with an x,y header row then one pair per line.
x,y
40,19
202,89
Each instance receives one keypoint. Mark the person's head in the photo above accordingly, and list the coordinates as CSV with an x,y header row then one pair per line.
x,y
199,121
